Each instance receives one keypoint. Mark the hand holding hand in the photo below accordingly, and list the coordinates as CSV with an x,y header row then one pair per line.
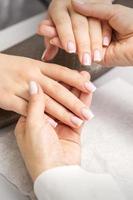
x,y
73,32
15,74
42,146
120,18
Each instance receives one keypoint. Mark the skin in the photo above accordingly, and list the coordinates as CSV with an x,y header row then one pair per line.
x,y
39,142
64,24
120,50
42,146
61,104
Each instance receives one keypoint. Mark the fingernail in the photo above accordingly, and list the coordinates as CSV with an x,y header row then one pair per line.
x,y
71,47
76,121
90,86
52,122
43,55
33,88
87,114
97,55
106,41
79,1
86,59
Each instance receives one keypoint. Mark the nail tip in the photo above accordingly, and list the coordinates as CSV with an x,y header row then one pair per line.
x,y
33,89
43,56
76,121
90,87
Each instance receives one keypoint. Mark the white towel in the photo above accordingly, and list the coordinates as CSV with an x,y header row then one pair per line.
x,y
107,142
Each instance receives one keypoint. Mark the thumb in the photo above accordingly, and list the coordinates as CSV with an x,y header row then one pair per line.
x,y
117,15
36,105
98,10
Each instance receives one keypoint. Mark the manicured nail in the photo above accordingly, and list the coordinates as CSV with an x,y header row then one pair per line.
x,y
97,55
79,1
90,86
43,55
71,47
76,121
52,122
87,114
33,88
106,41
86,59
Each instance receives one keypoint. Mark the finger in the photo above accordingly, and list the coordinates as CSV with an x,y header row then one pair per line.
x,y
13,103
51,121
86,98
60,113
56,42
46,42
70,77
97,10
80,24
77,92
47,22
96,39
36,106
107,12
63,25
47,31
20,127
63,96
107,33
50,53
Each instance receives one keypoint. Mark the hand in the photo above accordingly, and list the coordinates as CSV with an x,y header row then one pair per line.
x,y
15,74
120,18
74,33
42,146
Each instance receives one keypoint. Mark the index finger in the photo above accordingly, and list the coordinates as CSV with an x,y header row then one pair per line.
x,y
63,25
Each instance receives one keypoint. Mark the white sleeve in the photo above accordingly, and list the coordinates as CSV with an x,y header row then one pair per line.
x,y
74,183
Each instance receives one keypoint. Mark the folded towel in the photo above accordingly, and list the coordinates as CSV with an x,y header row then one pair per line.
x,y
107,141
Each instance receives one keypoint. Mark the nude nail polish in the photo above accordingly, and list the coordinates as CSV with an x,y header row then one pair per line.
x,y
106,41
86,59
76,121
71,47
33,88
43,55
97,56
90,86
52,122
87,114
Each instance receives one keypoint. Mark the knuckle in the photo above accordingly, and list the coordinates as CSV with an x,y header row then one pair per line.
x,y
86,74
76,105
84,46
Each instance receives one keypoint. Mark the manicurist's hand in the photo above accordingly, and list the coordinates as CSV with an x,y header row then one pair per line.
x,y
15,74
73,32
41,144
120,18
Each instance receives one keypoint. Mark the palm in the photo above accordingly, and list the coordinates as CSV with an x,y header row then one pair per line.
x,y
115,52
70,143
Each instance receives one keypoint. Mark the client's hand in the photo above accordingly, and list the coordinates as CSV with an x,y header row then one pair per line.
x,y
15,74
42,146
120,18
73,32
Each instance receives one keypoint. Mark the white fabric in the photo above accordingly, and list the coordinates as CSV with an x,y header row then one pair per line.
x,y
74,183
107,140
